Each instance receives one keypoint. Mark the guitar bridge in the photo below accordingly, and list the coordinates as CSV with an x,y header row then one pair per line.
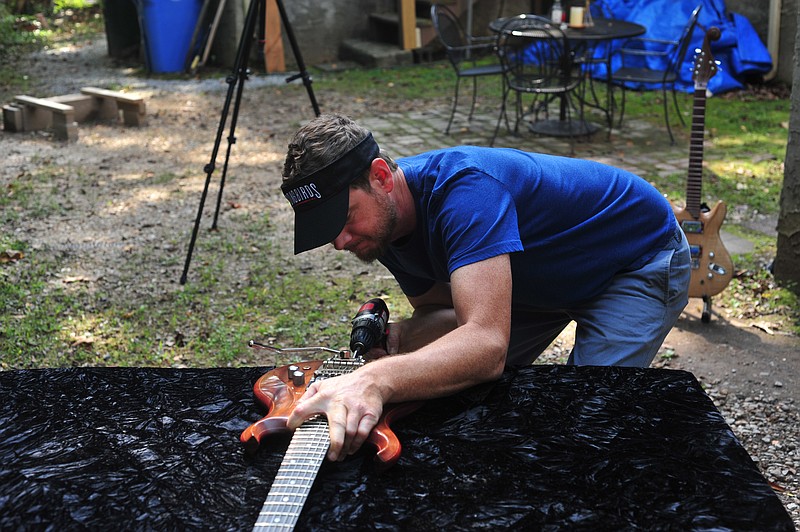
x,y
337,365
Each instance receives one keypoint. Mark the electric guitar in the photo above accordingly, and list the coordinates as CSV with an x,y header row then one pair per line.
x,y
279,390
712,267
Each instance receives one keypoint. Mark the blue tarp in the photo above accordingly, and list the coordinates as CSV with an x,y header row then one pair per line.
x,y
739,52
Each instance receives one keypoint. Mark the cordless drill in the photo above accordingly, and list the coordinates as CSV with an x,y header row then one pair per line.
x,y
370,326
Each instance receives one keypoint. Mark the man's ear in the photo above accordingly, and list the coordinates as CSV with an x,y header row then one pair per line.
x,y
381,174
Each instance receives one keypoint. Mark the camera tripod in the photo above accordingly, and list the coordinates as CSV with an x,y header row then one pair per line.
x,y
235,88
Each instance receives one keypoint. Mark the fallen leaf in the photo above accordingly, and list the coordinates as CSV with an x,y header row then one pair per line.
x,y
84,342
76,279
764,327
11,255
776,487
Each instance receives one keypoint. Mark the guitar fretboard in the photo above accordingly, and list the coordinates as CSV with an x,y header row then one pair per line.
x,y
694,182
295,477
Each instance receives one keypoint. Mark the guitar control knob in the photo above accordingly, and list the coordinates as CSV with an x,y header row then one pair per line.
x,y
298,378
711,255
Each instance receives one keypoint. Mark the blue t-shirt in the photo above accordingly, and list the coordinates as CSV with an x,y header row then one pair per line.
x,y
569,225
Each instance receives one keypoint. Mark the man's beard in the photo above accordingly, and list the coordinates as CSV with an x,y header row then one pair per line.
x,y
383,237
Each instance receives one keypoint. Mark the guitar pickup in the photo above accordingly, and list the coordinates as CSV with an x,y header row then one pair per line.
x,y
694,227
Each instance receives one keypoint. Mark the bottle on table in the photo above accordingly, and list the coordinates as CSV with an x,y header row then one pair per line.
x,y
557,12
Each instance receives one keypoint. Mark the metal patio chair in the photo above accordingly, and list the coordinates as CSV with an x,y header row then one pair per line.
x,y
670,53
537,60
463,52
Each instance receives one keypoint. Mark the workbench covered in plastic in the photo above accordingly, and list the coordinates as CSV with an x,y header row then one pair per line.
x,y
546,447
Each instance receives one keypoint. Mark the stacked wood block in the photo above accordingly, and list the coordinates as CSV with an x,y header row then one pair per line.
x,y
61,114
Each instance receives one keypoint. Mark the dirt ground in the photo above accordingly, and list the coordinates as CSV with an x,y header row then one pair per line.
x,y
124,204
736,354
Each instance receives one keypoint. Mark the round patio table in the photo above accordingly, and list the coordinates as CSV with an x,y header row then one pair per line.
x,y
604,29
583,38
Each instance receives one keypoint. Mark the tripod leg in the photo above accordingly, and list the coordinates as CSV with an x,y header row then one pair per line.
x,y
231,142
238,77
706,316
298,57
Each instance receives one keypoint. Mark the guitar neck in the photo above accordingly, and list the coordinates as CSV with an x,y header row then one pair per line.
x,y
295,477
694,182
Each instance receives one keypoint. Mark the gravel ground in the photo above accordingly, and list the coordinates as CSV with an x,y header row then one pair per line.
x,y
751,373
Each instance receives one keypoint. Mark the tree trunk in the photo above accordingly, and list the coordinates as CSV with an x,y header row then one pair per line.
x,y
787,259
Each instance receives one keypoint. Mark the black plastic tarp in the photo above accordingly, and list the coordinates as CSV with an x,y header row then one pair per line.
x,y
543,448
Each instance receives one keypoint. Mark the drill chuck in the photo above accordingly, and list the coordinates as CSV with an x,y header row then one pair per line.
x,y
369,326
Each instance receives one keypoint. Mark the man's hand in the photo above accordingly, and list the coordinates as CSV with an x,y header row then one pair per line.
x,y
352,406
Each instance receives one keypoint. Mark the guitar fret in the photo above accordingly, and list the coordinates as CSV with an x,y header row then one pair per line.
x,y
291,482
303,460
297,469
288,491
285,520
300,466
277,508
296,473
288,473
296,500
308,441
287,496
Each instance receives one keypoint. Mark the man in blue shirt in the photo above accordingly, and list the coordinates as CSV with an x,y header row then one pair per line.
x,y
497,251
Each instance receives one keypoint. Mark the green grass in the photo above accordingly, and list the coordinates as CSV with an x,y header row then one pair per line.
x,y
744,152
47,320
410,82
69,20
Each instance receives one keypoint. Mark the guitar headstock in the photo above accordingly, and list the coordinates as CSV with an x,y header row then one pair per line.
x,y
704,65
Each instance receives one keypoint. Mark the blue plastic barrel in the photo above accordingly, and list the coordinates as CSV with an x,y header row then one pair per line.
x,y
168,27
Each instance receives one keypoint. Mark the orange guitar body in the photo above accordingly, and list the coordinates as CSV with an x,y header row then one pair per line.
x,y
280,389
712,267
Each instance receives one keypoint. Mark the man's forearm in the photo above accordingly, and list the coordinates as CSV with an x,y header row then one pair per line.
x,y
425,325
